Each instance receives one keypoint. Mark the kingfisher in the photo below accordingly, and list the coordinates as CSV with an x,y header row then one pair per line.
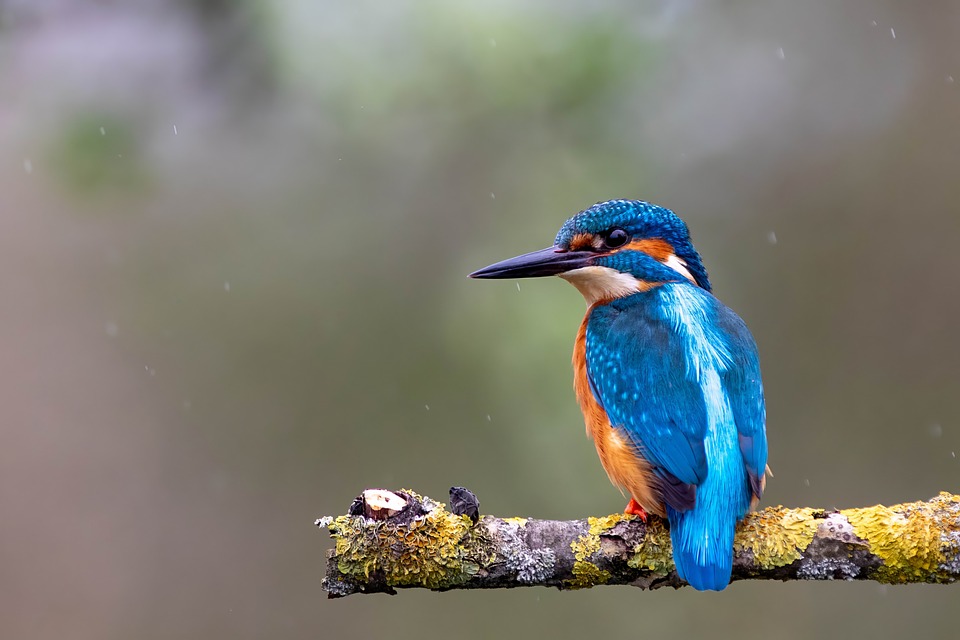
x,y
666,375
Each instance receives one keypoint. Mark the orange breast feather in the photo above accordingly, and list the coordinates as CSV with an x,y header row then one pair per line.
x,y
625,467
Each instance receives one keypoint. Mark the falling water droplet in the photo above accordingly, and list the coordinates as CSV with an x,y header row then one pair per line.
x,y
103,131
772,237
780,53
226,287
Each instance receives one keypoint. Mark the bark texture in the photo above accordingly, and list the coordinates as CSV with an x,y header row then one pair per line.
x,y
382,545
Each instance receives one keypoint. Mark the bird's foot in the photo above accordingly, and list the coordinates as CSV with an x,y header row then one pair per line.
x,y
634,509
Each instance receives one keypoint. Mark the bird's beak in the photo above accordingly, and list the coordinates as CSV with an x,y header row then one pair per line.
x,y
546,262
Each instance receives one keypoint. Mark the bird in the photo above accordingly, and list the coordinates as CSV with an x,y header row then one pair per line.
x,y
666,375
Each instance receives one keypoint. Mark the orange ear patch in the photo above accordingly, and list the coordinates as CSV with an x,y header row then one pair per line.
x,y
656,248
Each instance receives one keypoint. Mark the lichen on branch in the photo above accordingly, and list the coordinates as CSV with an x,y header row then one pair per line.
x,y
393,540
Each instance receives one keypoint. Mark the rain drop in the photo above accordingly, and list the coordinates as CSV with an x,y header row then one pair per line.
x,y
772,237
935,430
893,34
226,287
103,131
27,165
175,132
112,329
780,53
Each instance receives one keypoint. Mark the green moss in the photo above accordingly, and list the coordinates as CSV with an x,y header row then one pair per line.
x,y
776,536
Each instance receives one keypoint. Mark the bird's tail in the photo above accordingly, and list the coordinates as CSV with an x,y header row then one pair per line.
x,y
702,547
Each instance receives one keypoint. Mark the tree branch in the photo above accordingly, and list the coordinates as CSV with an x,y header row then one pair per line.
x,y
393,540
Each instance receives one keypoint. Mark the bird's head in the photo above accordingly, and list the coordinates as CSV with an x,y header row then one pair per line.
x,y
611,250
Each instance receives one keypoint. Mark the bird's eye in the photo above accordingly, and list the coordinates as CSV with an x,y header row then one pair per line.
x,y
616,238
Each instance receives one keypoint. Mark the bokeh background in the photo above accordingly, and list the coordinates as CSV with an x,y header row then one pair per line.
x,y
233,250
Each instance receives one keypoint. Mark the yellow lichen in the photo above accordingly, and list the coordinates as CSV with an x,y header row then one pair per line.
x,y
655,553
605,523
916,542
585,546
433,553
908,538
587,574
589,543
776,536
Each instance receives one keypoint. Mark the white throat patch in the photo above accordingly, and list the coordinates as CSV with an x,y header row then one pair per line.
x,y
602,283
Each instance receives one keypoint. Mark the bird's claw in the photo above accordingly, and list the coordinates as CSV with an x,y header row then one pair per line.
x,y
633,508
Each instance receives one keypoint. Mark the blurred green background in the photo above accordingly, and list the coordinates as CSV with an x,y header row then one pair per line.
x,y
233,252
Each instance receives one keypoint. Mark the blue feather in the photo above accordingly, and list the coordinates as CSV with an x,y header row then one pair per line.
x,y
677,372
745,390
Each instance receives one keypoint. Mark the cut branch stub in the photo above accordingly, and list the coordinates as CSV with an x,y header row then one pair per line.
x,y
379,504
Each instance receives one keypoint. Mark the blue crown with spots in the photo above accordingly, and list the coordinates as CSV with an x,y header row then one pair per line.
x,y
641,220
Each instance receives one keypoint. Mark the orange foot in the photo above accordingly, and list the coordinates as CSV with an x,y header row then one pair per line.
x,y
634,509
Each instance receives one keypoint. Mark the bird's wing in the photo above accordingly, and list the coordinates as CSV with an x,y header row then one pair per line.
x,y
745,390
637,370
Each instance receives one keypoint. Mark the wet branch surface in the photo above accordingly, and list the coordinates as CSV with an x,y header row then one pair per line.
x,y
391,540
